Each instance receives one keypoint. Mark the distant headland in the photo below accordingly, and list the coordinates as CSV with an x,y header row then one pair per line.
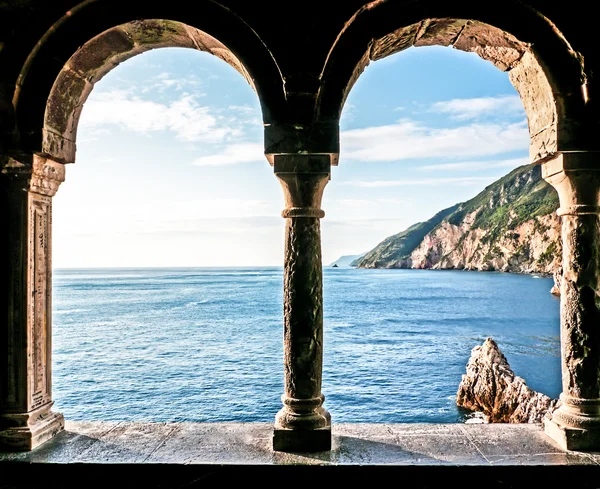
x,y
510,226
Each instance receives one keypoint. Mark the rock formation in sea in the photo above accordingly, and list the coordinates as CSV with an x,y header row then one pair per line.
x,y
510,226
492,388
555,290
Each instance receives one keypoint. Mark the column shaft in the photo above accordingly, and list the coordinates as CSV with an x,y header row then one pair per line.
x,y
26,419
303,424
303,308
579,312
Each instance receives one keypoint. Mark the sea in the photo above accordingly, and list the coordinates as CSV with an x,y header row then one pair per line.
x,y
206,344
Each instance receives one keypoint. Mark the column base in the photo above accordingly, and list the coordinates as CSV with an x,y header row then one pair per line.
x,y
24,432
302,425
287,440
577,439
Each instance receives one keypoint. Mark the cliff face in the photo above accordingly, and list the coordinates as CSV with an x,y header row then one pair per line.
x,y
509,226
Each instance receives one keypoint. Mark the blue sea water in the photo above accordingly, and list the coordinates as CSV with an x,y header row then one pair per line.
x,y
205,344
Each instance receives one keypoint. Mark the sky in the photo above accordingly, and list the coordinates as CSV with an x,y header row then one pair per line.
x,y
170,170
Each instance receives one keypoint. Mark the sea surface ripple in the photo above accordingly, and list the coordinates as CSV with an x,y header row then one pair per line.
x,y
205,344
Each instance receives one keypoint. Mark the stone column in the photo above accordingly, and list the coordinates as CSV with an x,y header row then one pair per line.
x,y
302,425
26,190
575,425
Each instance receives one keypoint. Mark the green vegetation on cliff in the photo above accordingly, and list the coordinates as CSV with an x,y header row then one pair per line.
x,y
484,230
513,199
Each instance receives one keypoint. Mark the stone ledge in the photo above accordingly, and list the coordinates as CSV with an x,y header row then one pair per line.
x,y
352,444
165,454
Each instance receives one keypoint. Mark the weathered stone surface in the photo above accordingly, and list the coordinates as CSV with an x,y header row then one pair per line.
x,y
543,144
577,181
69,93
303,308
579,311
85,444
100,54
61,148
394,42
491,387
439,32
538,100
26,419
302,424
575,425
158,33
491,43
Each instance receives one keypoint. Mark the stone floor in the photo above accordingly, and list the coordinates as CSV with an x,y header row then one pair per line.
x,y
207,454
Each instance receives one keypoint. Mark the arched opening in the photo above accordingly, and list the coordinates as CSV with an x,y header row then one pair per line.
x,y
156,270
179,367
45,150
546,105
425,130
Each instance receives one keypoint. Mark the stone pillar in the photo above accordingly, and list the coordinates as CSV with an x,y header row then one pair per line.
x,y
575,425
302,425
26,190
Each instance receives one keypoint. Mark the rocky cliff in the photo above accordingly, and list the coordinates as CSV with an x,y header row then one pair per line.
x,y
510,226
490,387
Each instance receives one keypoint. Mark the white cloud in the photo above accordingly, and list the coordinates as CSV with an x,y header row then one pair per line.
x,y
476,165
168,81
241,115
408,139
185,117
472,108
244,109
233,154
425,182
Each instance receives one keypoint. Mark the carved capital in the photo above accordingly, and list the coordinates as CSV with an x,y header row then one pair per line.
x,y
576,178
34,173
47,176
303,178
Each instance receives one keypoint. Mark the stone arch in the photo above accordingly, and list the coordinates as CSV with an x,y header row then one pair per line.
x,y
546,72
97,57
90,40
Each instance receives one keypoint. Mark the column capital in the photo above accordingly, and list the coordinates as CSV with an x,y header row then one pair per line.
x,y
576,177
303,178
34,173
